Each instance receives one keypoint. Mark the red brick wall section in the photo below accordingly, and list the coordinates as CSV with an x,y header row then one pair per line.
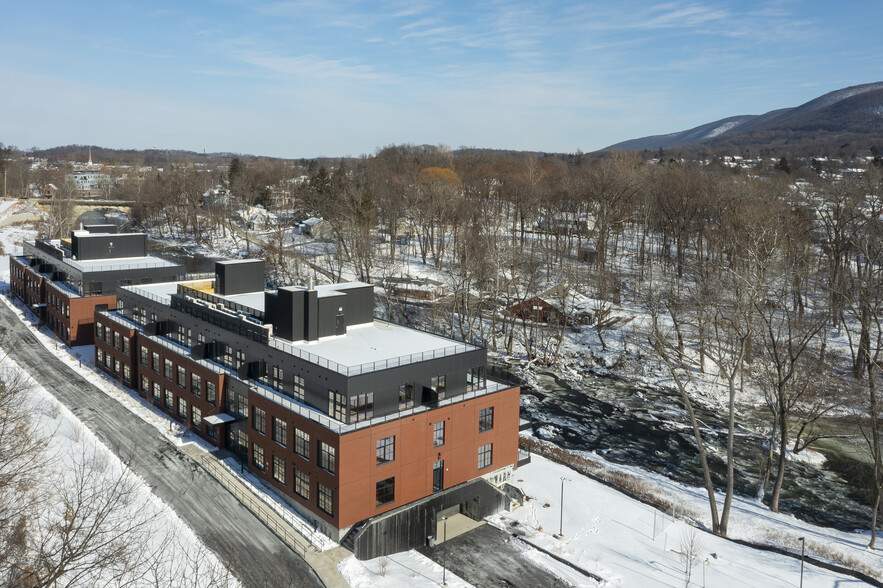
x,y
317,475
415,454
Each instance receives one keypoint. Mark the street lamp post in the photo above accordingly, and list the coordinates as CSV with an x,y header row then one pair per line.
x,y
444,553
561,517
802,553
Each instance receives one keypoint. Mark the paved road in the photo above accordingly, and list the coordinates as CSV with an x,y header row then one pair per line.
x,y
485,559
256,556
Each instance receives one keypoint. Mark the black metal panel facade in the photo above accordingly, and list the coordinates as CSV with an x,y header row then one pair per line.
x,y
239,276
412,525
103,246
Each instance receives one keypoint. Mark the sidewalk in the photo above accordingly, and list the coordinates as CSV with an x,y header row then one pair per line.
x,y
323,562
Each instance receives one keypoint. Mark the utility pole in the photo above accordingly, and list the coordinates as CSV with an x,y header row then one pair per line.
x,y
444,553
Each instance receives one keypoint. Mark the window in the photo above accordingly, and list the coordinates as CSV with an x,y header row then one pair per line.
x,y
170,400
182,376
145,385
195,384
99,331
386,491
336,405
211,393
326,499
279,470
181,338
298,387
280,431
212,432
99,356
302,443
361,407
116,340
127,372
257,456
438,386
485,419
240,359
182,408
157,392
126,345
144,356
302,483
326,457
167,369
475,379
406,395
485,455
227,357
259,420
107,358
278,377
155,358
196,416
386,450
438,434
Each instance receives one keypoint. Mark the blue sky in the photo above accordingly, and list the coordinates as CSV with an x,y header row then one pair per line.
x,y
310,78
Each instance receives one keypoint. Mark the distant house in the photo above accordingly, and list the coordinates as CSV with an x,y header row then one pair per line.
x,y
316,228
555,306
414,288
257,218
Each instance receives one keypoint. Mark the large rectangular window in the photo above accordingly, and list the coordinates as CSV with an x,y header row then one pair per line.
x,y
302,483
278,377
257,456
116,340
157,392
280,431
145,385
475,379
259,420
326,499
438,434
167,368
155,360
406,395
144,355
279,469
386,450
337,405
486,419
362,407
127,343
170,400
327,457
182,408
211,393
302,443
485,456
196,416
298,388
182,376
386,491
195,385
99,356
438,385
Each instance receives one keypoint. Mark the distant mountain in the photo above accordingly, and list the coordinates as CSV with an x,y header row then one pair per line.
x,y
849,117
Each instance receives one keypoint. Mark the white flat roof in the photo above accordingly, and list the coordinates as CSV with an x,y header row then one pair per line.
x,y
121,263
376,342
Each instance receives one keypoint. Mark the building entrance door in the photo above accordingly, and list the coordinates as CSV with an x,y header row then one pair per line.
x,y
339,325
438,475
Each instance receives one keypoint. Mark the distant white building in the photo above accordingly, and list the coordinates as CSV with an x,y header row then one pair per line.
x,y
90,181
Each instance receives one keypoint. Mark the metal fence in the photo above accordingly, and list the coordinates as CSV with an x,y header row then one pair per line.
x,y
257,507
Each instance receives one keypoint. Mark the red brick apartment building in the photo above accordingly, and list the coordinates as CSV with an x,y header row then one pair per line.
x,y
369,429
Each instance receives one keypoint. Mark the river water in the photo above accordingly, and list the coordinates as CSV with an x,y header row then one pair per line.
x,y
633,425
